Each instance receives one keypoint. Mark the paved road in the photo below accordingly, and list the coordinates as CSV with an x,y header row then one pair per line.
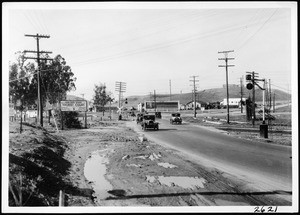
x,y
268,165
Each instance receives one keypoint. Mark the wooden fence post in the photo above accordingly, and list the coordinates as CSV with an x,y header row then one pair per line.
x,y
61,198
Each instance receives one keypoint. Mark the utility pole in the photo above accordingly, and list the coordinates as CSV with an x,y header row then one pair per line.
x,y
194,91
242,93
170,89
270,96
226,66
253,98
274,102
264,92
38,52
288,95
121,88
154,102
253,78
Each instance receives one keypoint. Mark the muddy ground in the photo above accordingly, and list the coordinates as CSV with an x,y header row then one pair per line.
x,y
136,170
139,172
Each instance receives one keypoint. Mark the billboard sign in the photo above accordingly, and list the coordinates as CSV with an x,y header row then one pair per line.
x,y
78,105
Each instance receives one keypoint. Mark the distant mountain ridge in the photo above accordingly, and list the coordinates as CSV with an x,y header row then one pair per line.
x,y
210,95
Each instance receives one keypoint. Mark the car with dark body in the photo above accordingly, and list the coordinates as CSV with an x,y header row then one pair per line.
x,y
149,122
175,118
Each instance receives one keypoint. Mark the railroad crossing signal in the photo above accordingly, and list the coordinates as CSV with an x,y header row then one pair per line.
x,y
249,86
249,77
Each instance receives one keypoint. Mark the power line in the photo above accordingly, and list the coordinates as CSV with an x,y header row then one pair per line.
x,y
161,45
281,88
261,27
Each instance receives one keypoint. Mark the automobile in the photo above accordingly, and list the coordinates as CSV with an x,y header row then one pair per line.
x,y
175,118
149,122
139,117
158,115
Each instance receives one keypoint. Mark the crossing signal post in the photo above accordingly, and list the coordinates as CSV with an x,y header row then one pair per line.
x,y
252,78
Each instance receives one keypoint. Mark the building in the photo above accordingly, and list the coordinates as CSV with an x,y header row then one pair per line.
x,y
159,106
190,105
233,102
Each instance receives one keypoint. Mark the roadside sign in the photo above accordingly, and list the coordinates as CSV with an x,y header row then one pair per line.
x,y
70,105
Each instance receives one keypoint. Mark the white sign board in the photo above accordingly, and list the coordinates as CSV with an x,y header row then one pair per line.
x,y
79,105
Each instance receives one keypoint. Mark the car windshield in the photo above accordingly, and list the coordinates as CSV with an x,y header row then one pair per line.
x,y
149,117
176,114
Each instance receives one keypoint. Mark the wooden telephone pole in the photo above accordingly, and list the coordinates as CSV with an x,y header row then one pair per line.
x,y
38,52
242,94
194,86
226,66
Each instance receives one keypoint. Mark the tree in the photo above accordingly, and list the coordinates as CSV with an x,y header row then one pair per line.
x,y
100,97
56,80
19,81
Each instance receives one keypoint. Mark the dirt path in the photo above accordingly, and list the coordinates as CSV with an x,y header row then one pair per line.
x,y
143,173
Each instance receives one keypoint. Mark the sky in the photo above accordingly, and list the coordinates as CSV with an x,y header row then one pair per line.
x,y
158,46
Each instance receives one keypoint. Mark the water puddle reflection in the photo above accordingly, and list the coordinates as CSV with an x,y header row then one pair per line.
x,y
94,171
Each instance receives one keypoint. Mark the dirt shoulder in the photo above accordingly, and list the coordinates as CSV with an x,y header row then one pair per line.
x,y
144,173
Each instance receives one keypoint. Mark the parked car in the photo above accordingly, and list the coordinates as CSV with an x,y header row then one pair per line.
x,y
149,122
175,118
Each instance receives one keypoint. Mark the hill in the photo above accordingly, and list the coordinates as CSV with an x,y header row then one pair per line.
x,y
209,95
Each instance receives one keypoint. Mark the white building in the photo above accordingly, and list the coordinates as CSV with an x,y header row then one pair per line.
x,y
233,102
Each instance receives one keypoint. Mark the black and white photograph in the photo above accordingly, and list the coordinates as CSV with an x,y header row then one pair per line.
x,y
150,107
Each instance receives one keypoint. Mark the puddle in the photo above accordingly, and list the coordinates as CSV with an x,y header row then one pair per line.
x,y
94,171
181,181
166,165
151,179
154,156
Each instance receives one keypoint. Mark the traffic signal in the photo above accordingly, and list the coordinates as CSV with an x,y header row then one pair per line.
x,y
248,77
249,86
126,101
